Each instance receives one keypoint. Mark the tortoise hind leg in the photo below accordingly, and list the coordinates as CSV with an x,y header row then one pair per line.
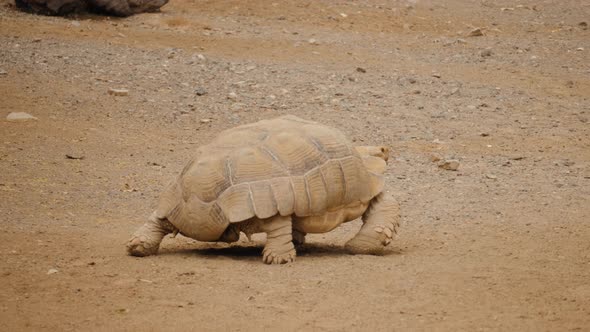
x,y
298,237
279,247
146,240
380,222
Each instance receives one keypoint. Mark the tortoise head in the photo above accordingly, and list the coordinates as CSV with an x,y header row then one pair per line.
x,y
373,151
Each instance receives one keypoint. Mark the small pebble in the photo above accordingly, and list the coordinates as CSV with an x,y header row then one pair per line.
x,y
232,96
200,92
3,72
52,271
486,53
450,165
434,158
361,70
205,120
118,92
74,156
20,116
477,32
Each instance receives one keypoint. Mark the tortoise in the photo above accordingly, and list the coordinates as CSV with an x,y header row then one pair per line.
x,y
285,177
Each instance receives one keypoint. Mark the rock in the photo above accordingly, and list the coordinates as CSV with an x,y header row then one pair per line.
x,y
118,92
484,134
3,72
232,96
486,53
313,41
74,156
569,163
491,176
450,165
583,25
20,116
436,75
52,271
579,49
205,120
361,70
200,91
75,23
477,32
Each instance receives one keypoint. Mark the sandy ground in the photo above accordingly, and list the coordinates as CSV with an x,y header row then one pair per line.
x,y
503,243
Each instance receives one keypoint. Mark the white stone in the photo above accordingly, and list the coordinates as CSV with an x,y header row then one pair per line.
x,y
20,116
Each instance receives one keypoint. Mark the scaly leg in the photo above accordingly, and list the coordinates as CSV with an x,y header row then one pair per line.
x,y
146,240
279,247
231,234
298,237
380,222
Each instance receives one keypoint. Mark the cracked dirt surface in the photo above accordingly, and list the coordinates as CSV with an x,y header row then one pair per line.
x,y
503,243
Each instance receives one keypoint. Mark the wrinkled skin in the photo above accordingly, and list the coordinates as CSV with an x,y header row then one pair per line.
x,y
121,8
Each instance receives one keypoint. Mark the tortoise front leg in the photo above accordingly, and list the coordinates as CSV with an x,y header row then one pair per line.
x,y
146,240
380,222
279,247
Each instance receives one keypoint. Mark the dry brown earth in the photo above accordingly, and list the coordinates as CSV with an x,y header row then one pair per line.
x,y
503,243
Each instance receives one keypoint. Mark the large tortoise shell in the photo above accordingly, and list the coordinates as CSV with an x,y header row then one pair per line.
x,y
286,166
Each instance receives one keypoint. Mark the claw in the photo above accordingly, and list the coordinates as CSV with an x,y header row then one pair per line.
x,y
388,233
269,257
